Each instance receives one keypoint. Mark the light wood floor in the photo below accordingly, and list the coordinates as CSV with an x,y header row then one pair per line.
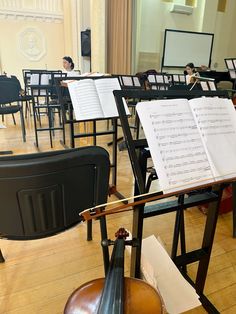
x,y
38,276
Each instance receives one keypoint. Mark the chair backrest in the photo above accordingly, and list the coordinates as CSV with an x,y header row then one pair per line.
x,y
43,194
9,90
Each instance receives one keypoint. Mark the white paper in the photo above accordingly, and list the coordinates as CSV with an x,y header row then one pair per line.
x,y
105,88
85,100
234,61
136,81
212,85
216,119
230,65
159,79
175,144
127,80
151,78
166,79
232,74
160,271
94,99
176,78
34,79
204,85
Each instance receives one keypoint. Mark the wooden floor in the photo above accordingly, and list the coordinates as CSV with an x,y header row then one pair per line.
x,y
38,276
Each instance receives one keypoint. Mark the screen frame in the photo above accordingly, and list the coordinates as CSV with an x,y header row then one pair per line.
x,y
189,32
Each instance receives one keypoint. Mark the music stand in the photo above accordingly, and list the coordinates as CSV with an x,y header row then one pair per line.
x,y
138,156
231,66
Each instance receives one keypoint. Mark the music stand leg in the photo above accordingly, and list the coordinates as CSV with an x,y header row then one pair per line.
x,y
234,208
207,243
2,260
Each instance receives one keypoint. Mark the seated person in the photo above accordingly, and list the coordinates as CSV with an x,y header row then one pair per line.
x,y
68,66
190,71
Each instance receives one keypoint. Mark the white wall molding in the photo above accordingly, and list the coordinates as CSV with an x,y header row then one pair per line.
x,y
37,10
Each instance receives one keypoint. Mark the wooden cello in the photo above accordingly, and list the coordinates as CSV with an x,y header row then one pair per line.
x,y
115,294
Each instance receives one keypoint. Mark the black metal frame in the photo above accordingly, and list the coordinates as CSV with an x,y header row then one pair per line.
x,y
192,33
233,60
68,118
138,156
49,93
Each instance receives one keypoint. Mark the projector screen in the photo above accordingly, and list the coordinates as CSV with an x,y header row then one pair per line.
x,y
182,47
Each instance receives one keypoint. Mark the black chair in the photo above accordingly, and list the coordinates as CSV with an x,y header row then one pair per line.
x,y
9,93
43,194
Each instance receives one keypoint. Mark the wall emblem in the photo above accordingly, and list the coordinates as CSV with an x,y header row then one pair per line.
x,y
32,44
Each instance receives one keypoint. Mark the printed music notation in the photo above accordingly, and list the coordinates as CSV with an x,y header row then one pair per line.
x,y
184,138
94,99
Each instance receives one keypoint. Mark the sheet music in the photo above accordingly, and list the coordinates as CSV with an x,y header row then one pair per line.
x,y
230,65
34,79
136,81
204,85
212,85
127,80
151,78
105,88
176,78
166,79
232,74
85,100
159,79
216,120
176,146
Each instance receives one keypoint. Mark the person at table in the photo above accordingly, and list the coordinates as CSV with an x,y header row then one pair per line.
x,y
68,66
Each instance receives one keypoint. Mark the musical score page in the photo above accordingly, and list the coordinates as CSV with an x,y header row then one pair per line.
x,y
85,100
216,120
105,88
175,144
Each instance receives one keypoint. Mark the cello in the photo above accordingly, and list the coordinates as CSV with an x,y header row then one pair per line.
x,y
115,294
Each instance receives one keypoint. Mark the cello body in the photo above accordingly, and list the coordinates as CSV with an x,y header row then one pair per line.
x,y
140,298
115,294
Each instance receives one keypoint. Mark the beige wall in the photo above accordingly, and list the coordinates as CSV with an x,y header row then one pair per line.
x,y
24,23
13,60
60,22
155,16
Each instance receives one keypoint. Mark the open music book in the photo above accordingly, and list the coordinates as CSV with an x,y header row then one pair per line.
x,y
94,99
193,142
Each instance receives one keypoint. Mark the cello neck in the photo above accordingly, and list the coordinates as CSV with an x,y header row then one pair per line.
x,y
112,300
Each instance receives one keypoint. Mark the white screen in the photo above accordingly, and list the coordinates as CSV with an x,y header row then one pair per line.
x,y
184,47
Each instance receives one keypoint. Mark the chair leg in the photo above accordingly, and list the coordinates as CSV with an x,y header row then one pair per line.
x,y
2,260
22,124
13,117
35,124
89,230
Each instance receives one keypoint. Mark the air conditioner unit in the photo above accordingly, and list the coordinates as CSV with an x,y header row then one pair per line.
x,y
182,9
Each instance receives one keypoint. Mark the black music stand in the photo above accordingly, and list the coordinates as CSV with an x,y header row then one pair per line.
x,y
68,118
138,156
